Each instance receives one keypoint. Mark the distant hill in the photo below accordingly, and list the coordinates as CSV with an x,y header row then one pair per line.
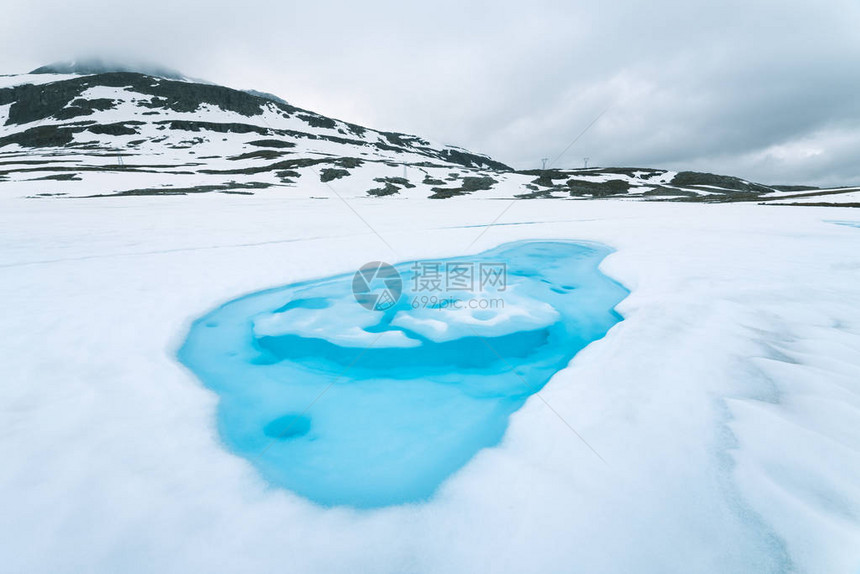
x,y
91,127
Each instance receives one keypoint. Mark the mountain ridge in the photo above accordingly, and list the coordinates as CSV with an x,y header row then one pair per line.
x,y
67,132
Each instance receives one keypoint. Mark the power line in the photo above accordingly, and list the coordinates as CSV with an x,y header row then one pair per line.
x,y
576,139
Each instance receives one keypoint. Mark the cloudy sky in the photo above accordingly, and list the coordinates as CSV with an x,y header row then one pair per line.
x,y
765,89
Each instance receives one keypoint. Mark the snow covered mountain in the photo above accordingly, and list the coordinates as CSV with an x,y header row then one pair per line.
x,y
134,133
93,128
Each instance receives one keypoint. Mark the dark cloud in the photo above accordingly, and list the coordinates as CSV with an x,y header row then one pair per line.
x,y
762,89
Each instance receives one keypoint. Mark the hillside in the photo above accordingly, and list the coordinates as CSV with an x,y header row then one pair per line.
x,y
85,130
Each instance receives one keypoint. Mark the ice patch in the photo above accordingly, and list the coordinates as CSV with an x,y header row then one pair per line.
x,y
846,223
349,406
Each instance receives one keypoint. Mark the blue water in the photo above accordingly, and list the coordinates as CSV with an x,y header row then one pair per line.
x,y
349,406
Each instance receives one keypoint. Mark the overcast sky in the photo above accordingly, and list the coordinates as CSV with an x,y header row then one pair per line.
x,y
767,90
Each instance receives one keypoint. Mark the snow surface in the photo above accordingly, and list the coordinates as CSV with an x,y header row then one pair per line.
x,y
726,405
10,80
814,197
520,313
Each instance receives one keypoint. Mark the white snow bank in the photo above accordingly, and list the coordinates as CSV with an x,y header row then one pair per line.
x,y
725,404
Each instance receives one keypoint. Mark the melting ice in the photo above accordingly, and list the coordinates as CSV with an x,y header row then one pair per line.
x,y
350,406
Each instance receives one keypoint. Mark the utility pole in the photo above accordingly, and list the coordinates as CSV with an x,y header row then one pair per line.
x,y
543,163
585,162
